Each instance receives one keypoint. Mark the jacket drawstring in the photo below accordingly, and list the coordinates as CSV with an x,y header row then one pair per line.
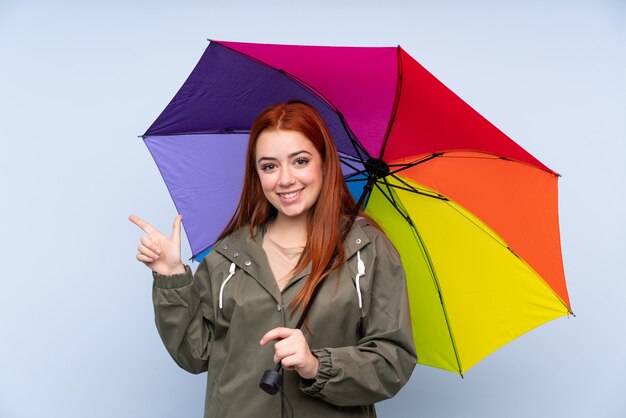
x,y
231,273
360,273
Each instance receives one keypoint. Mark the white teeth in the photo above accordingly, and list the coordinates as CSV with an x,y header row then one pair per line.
x,y
289,195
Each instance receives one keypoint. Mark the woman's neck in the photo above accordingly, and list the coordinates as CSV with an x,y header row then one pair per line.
x,y
289,232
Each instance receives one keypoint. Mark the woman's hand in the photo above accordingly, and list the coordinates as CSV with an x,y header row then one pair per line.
x,y
160,253
292,350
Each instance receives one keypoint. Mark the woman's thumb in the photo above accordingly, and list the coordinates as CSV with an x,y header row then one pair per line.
x,y
176,228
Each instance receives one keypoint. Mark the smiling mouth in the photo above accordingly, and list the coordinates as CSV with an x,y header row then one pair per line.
x,y
290,195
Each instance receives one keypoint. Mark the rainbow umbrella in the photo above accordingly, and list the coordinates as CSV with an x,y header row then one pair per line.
x,y
473,215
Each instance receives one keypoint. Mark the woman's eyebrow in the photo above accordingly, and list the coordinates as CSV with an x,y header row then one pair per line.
x,y
293,154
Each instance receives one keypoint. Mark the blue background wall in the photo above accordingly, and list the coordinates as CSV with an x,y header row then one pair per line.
x,y
80,80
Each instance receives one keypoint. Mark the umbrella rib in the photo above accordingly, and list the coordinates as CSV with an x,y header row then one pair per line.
x,y
431,266
410,188
435,280
353,139
414,163
492,236
355,168
208,131
359,171
393,202
350,178
416,191
353,180
396,104
348,157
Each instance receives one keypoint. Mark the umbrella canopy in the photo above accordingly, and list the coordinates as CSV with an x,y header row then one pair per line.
x,y
473,215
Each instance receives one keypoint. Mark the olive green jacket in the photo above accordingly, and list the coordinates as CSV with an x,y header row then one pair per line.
x,y
213,322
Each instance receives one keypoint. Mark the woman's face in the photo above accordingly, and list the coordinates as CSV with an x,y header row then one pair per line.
x,y
290,170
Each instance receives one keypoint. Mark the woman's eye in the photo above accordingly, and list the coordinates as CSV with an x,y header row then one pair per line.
x,y
301,161
268,167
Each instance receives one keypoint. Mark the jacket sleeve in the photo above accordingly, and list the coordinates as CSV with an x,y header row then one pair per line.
x,y
384,357
184,317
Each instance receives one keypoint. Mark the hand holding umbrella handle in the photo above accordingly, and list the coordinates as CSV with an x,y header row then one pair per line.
x,y
272,380
157,251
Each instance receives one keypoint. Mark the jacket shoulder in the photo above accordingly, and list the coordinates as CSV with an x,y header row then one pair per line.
x,y
374,239
373,232
368,227
214,257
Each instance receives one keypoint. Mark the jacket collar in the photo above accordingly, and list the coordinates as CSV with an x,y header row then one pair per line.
x,y
247,253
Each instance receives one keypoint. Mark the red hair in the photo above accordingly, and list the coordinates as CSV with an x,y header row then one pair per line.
x,y
327,218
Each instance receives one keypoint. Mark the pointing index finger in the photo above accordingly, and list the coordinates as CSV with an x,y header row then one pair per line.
x,y
145,226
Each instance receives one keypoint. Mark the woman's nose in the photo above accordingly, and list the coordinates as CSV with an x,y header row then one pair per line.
x,y
286,177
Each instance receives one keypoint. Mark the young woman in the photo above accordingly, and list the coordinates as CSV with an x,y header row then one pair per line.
x,y
236,317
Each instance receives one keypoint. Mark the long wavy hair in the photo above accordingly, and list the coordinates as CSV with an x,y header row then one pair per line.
x,y
327,219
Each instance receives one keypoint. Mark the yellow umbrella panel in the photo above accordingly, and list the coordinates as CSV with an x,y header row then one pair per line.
x,y
469,293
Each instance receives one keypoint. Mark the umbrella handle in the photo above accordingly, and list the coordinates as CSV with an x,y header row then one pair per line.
x,y
272,380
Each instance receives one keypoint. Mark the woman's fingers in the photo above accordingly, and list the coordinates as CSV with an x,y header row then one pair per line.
x,y
150,244
292,351
144,258
292,362
148,252
284,347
